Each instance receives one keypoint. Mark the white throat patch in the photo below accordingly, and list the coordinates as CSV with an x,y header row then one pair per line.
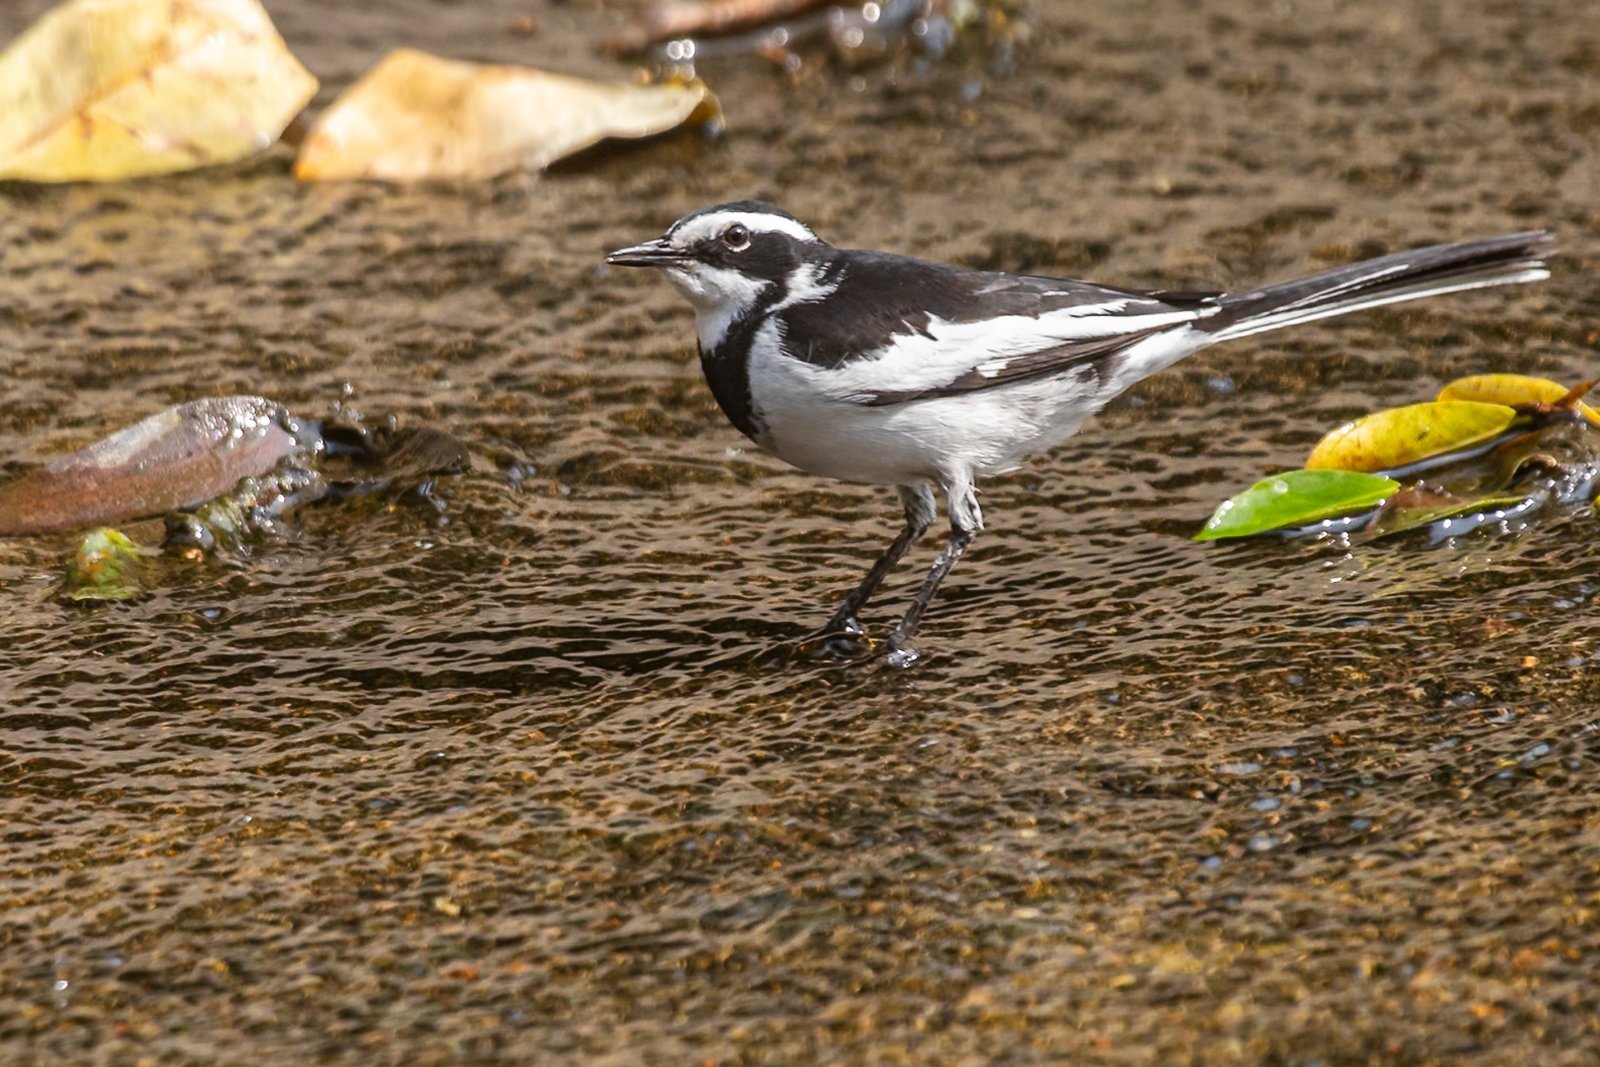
x,y
721,296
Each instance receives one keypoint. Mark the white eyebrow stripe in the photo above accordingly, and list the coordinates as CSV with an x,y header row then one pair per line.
x,y
702,226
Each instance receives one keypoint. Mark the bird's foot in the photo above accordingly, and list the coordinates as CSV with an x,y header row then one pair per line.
x,y
898,653
841,625
844,642
841,640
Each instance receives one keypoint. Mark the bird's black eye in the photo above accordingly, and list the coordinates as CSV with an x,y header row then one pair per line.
x,y
736,237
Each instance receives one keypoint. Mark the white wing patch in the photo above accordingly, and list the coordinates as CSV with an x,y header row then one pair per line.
x,y
912,362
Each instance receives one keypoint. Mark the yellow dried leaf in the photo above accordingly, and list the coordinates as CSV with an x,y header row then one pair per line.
x,y
98,90
1512,389
1398,437
416,116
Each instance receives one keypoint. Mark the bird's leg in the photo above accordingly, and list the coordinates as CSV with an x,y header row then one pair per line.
x,y
965,522
920,511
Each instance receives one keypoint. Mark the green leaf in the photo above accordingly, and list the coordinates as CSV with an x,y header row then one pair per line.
x,y
106,567
1294,499
1399,437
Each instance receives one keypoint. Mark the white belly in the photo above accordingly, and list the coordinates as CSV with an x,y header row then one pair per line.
x,y
813,416
982,433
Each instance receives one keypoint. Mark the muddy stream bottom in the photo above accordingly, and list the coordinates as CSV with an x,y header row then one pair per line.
x,y
509,774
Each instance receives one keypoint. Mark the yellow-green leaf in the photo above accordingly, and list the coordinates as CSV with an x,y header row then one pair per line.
x,y
1295,498
98,90
1512,389
105,567
1398,437
414,117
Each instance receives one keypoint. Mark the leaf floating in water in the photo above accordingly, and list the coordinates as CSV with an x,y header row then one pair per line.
x,y
1494,450
1414,507
1296,498
1513,389
1387,440
99,90
177,458
414,117
106,567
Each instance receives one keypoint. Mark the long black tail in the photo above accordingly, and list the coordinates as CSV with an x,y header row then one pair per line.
x,y
1519,257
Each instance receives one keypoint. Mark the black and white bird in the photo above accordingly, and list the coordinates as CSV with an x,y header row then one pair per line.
x,y
883,369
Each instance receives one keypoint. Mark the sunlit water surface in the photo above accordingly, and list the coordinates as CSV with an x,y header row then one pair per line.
x,y
521,771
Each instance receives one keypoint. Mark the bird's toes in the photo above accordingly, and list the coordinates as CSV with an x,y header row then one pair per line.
x,y
845,643
837,646
841,626
899,657
846,648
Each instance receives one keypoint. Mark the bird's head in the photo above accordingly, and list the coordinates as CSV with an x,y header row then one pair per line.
x,y
727,259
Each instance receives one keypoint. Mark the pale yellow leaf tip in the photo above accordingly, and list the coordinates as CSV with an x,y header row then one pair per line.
x,y
416,117
100,90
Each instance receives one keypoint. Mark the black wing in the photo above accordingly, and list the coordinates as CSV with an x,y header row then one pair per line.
x,y
876,298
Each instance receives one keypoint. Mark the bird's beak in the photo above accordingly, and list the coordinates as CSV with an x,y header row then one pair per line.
x,y
657,253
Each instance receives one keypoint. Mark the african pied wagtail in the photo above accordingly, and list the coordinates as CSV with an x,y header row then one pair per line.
x,y
888,370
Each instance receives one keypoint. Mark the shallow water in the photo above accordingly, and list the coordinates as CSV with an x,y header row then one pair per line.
x,y
512,773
